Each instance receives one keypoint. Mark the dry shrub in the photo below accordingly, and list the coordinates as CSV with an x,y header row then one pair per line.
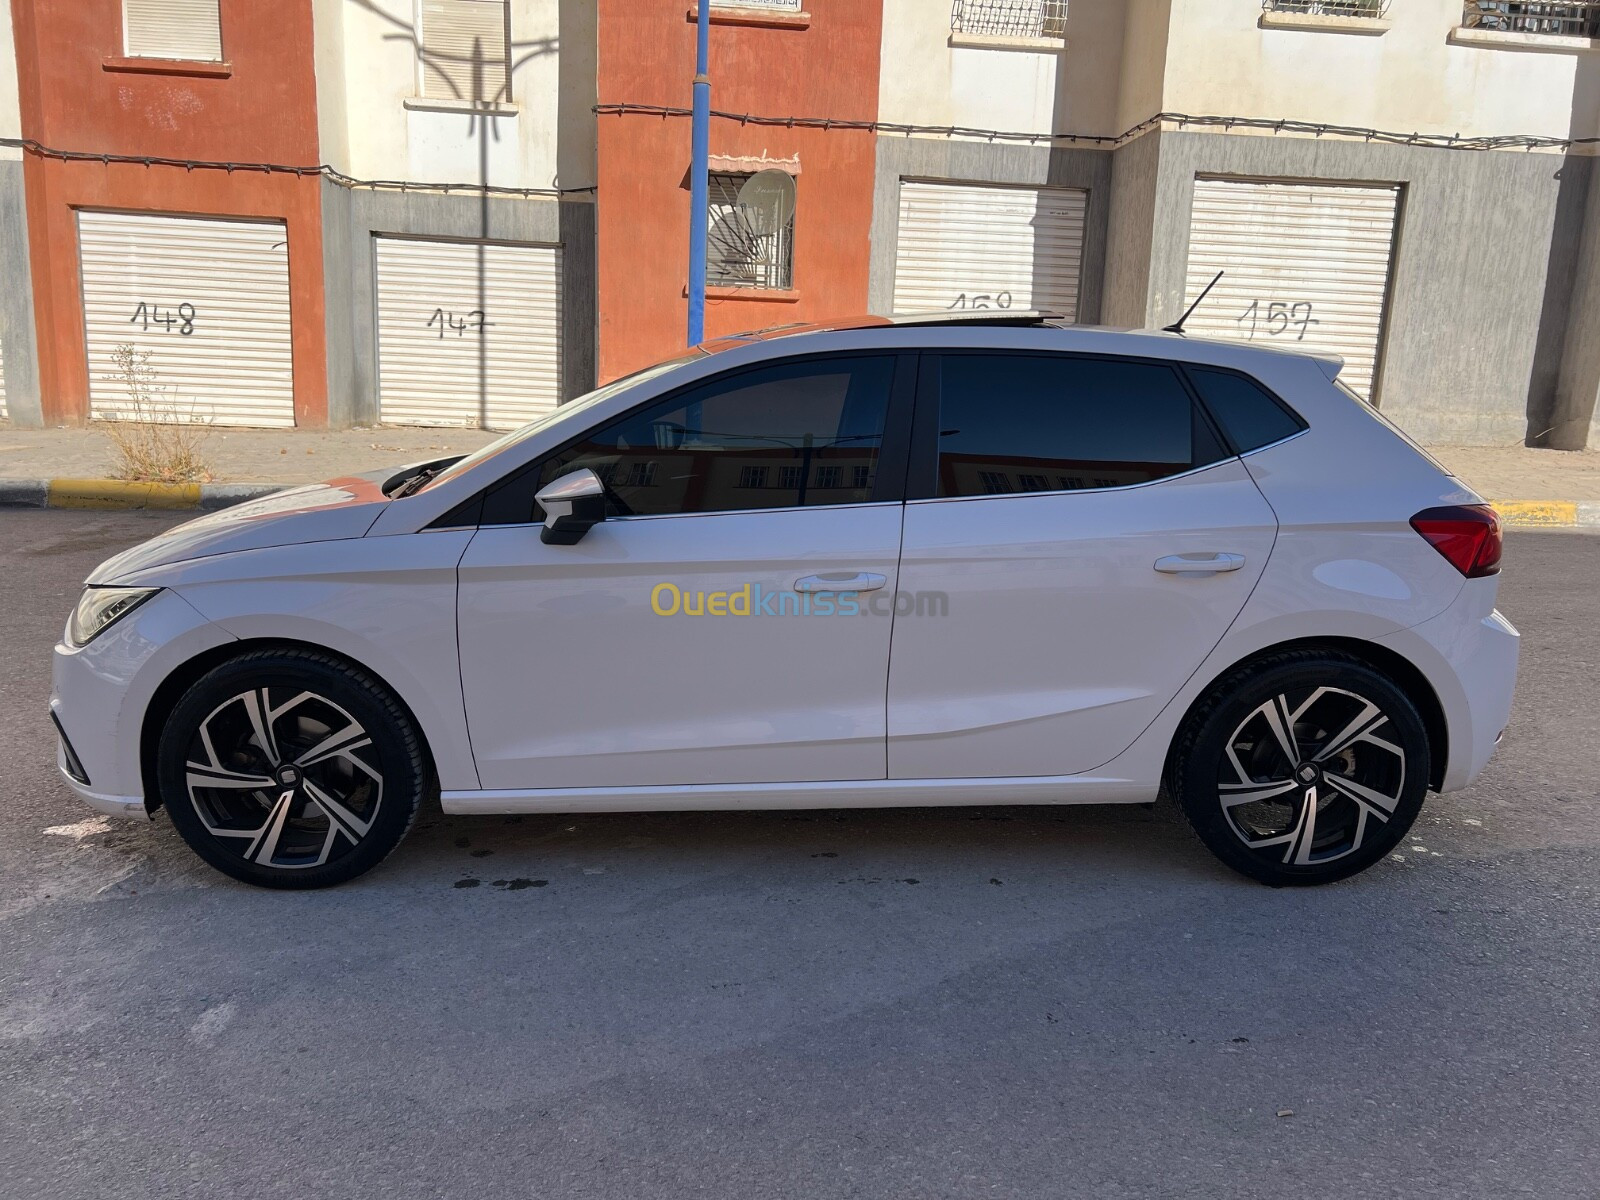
x,y
156,438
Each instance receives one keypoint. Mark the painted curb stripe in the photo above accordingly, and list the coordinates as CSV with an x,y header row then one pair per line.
x,y
118,493
1537,514
121,494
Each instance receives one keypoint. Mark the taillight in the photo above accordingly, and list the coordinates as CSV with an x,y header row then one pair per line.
x,y
1468,535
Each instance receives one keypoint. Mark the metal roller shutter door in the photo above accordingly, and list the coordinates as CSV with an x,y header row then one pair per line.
x,y
1307,267
208,299
469,333
965,246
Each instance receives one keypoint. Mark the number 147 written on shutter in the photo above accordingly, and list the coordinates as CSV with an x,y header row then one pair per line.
x,y
449,322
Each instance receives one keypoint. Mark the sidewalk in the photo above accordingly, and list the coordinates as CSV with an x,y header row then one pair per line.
x,y
276,456
1532,487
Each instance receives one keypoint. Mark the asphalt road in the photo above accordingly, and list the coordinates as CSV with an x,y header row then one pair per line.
x,y
984,1003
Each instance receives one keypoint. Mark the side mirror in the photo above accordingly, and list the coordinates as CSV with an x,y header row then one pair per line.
x,y
573,505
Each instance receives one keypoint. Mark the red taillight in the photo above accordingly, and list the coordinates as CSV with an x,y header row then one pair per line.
x,y
1466,534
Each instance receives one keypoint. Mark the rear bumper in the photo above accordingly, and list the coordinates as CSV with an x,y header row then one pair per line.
x,y
1469,653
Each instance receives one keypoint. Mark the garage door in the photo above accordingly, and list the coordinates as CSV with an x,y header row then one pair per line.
x,y
207,300
469,333
1306,267
964,247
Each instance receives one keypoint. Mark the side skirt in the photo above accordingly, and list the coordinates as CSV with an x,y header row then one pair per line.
x,y
850,793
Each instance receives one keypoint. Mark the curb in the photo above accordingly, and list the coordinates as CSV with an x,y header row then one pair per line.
x,y
1548,514
107,494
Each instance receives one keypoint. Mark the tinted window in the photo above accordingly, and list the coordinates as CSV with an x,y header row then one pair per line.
x,y
1025,423
778,437
1248,415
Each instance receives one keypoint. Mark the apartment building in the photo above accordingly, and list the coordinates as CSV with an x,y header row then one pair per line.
x,y
1394,182
464,211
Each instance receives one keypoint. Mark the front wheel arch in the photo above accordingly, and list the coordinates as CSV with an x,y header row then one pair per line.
x,y
173,687
1398,669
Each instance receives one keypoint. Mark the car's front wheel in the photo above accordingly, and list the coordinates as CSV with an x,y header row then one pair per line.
x,y
290,769
1301,768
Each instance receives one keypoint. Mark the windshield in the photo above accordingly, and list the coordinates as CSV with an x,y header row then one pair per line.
x,y
559,413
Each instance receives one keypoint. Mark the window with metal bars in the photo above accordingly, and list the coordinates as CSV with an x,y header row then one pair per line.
x,y
1009,18
747,245
190,30
463,51
1558,18
1373,9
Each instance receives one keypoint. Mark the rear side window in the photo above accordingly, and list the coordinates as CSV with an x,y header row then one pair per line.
x,y
1250,416
1048,423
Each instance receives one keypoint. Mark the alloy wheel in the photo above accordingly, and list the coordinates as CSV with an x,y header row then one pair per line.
x,y
284,778
1309,775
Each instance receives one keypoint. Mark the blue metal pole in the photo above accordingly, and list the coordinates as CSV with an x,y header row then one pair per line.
x,y
698,184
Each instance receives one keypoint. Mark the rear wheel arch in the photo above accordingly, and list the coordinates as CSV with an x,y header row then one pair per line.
x,y
172,689
1401,671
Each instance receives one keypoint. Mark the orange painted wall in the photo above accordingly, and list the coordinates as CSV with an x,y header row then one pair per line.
x,y
646,56
76,97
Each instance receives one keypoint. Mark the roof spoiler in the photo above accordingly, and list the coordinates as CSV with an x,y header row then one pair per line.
x,y
1331,364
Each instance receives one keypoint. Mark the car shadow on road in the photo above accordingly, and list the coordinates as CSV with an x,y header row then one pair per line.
x,y
989,846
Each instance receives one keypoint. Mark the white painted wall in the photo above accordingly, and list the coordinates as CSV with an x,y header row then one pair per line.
x,y
1221,62
924,80
373,126
1126,60
10,115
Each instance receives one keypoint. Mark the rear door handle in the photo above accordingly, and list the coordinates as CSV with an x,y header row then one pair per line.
x,y
838,581
1199,564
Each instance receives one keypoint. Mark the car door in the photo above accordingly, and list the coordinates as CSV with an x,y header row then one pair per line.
x,y
711,629
1076,541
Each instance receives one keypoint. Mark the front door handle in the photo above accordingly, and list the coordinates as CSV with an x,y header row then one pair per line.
x,y
1199,564
861,581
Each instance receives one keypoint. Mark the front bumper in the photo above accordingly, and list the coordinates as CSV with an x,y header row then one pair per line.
x,y
103,690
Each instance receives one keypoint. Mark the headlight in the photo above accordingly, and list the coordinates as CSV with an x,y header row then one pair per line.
x,y
101,607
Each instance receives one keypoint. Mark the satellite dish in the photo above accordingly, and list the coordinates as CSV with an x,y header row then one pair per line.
x,y
770,193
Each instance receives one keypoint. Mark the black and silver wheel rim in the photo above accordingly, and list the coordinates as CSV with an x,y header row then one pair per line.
x,y
1309,776
284,778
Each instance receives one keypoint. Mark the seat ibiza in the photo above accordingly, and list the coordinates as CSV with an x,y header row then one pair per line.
x,y
884,563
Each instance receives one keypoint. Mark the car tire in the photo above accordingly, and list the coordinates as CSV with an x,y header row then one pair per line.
x,y
1301,768
291,769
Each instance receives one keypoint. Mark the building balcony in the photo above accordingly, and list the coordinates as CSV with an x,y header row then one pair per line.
x,y
1553,25
1331,16
1366,10
1016,19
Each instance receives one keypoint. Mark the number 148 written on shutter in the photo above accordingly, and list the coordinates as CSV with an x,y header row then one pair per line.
x,y
164,320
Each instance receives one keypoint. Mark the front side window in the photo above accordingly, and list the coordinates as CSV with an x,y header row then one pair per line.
x,y
463,51
190,30
750,230
1014,423
785,436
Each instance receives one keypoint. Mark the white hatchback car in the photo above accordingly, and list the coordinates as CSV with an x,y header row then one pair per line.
x,y
885,563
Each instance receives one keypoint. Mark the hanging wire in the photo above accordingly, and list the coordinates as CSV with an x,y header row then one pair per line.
x,y
1275,125
39,150
1181,120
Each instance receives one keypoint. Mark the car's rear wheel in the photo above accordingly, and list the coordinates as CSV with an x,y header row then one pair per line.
x,y
1302,768
290,769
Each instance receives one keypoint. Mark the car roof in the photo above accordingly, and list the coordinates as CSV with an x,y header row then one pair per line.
x,y
934,330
